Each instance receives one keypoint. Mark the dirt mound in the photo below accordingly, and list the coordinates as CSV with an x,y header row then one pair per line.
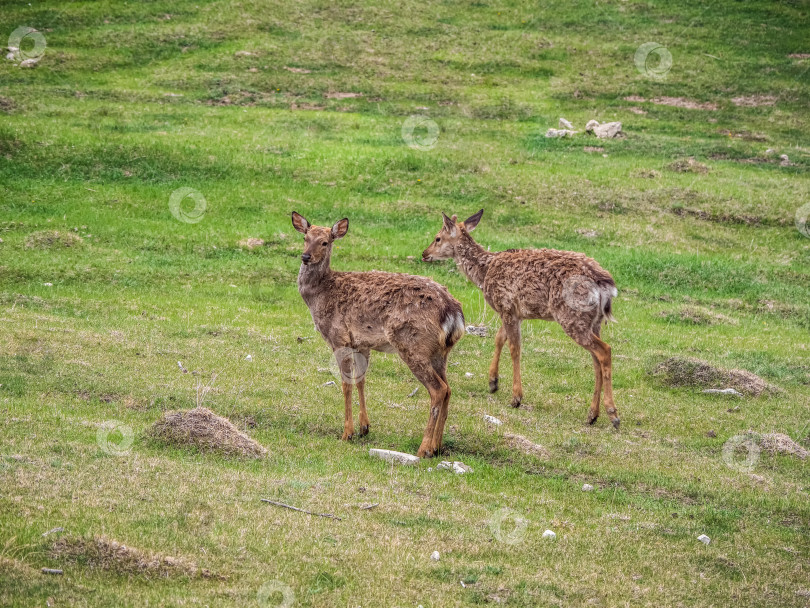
x,y
778,443
684,371
519,442
105,554
688,165
695,315
203,429
52,239
251,242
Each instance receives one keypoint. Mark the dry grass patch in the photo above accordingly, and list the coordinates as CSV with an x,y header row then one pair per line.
x,y
688,165
688,372
778,443
202,429
522,444
52,239
695,315
111,556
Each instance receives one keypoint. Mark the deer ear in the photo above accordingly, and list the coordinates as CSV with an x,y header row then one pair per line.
x,y
471,222
449,224
340,228
299,223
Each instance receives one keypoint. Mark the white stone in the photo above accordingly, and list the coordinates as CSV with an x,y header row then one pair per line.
x,y
330,383
564,124
586,487
477,330
249,358
392,456
560,133
459,468
549,534
592,124
605,131
29,63
492,420
704,539
48,284
435,556
468,375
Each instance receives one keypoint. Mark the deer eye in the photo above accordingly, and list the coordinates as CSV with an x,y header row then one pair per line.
x,y
325,243
438,239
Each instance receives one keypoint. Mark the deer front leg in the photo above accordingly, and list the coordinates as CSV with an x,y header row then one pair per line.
x,y
512,325
500,340
348,423
364,422
593,413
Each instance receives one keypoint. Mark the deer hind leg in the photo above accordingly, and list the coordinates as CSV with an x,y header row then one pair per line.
x,y
511,326
600,351
500,340
440,367
348,423
361,390
422,368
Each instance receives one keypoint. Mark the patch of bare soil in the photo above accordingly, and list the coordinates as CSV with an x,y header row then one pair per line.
x,y
593,149
520,443
342,95
695,315
6,105
720,218
306,106
688,165
109,555
686,371
251,242
203,429
297,70
646,173
754,101
799,55
52,239
778,443
677,102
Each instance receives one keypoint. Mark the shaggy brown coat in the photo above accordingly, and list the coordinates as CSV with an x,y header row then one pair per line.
x,y
563,286
357,312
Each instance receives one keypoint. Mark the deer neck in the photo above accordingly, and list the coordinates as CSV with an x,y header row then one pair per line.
x,y
313,280
472,259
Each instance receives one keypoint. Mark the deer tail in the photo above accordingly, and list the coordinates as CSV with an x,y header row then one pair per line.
x,y
452,324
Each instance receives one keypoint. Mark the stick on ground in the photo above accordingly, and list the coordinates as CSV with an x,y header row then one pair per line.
x,y
281,504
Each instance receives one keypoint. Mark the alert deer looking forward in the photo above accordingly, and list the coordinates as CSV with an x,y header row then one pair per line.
x,y
357,312
563,286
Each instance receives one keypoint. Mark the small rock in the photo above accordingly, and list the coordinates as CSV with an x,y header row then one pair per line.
x,y
478,330
549,534
52,571
392,456
10,57
736,408
704,539
435,556
251,242
564,124
468,375
244,54
784,160
560,133
586,487
48,284
249,358
722,391
459,468
330,383
605,131
711,434
29,63
53,531
492,420
769,151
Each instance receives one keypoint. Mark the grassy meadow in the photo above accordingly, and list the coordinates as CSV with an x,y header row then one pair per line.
x,y
261,108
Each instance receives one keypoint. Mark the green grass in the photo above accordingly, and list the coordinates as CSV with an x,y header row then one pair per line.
x,y
132,101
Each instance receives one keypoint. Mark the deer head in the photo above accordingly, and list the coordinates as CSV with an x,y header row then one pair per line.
x,y
318,239
444,245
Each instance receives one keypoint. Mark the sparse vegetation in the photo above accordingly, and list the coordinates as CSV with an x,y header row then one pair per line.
x,y
264,107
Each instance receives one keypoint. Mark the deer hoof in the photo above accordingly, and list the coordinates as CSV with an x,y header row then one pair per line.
x,y
426,452
616,422
592,419
493,385
363,431
347,436
516,401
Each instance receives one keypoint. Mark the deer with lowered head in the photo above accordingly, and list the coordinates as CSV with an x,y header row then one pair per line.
x,y
563,286
357,312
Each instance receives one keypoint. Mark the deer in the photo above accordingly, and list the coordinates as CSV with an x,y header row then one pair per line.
x,y
357,312
518,284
